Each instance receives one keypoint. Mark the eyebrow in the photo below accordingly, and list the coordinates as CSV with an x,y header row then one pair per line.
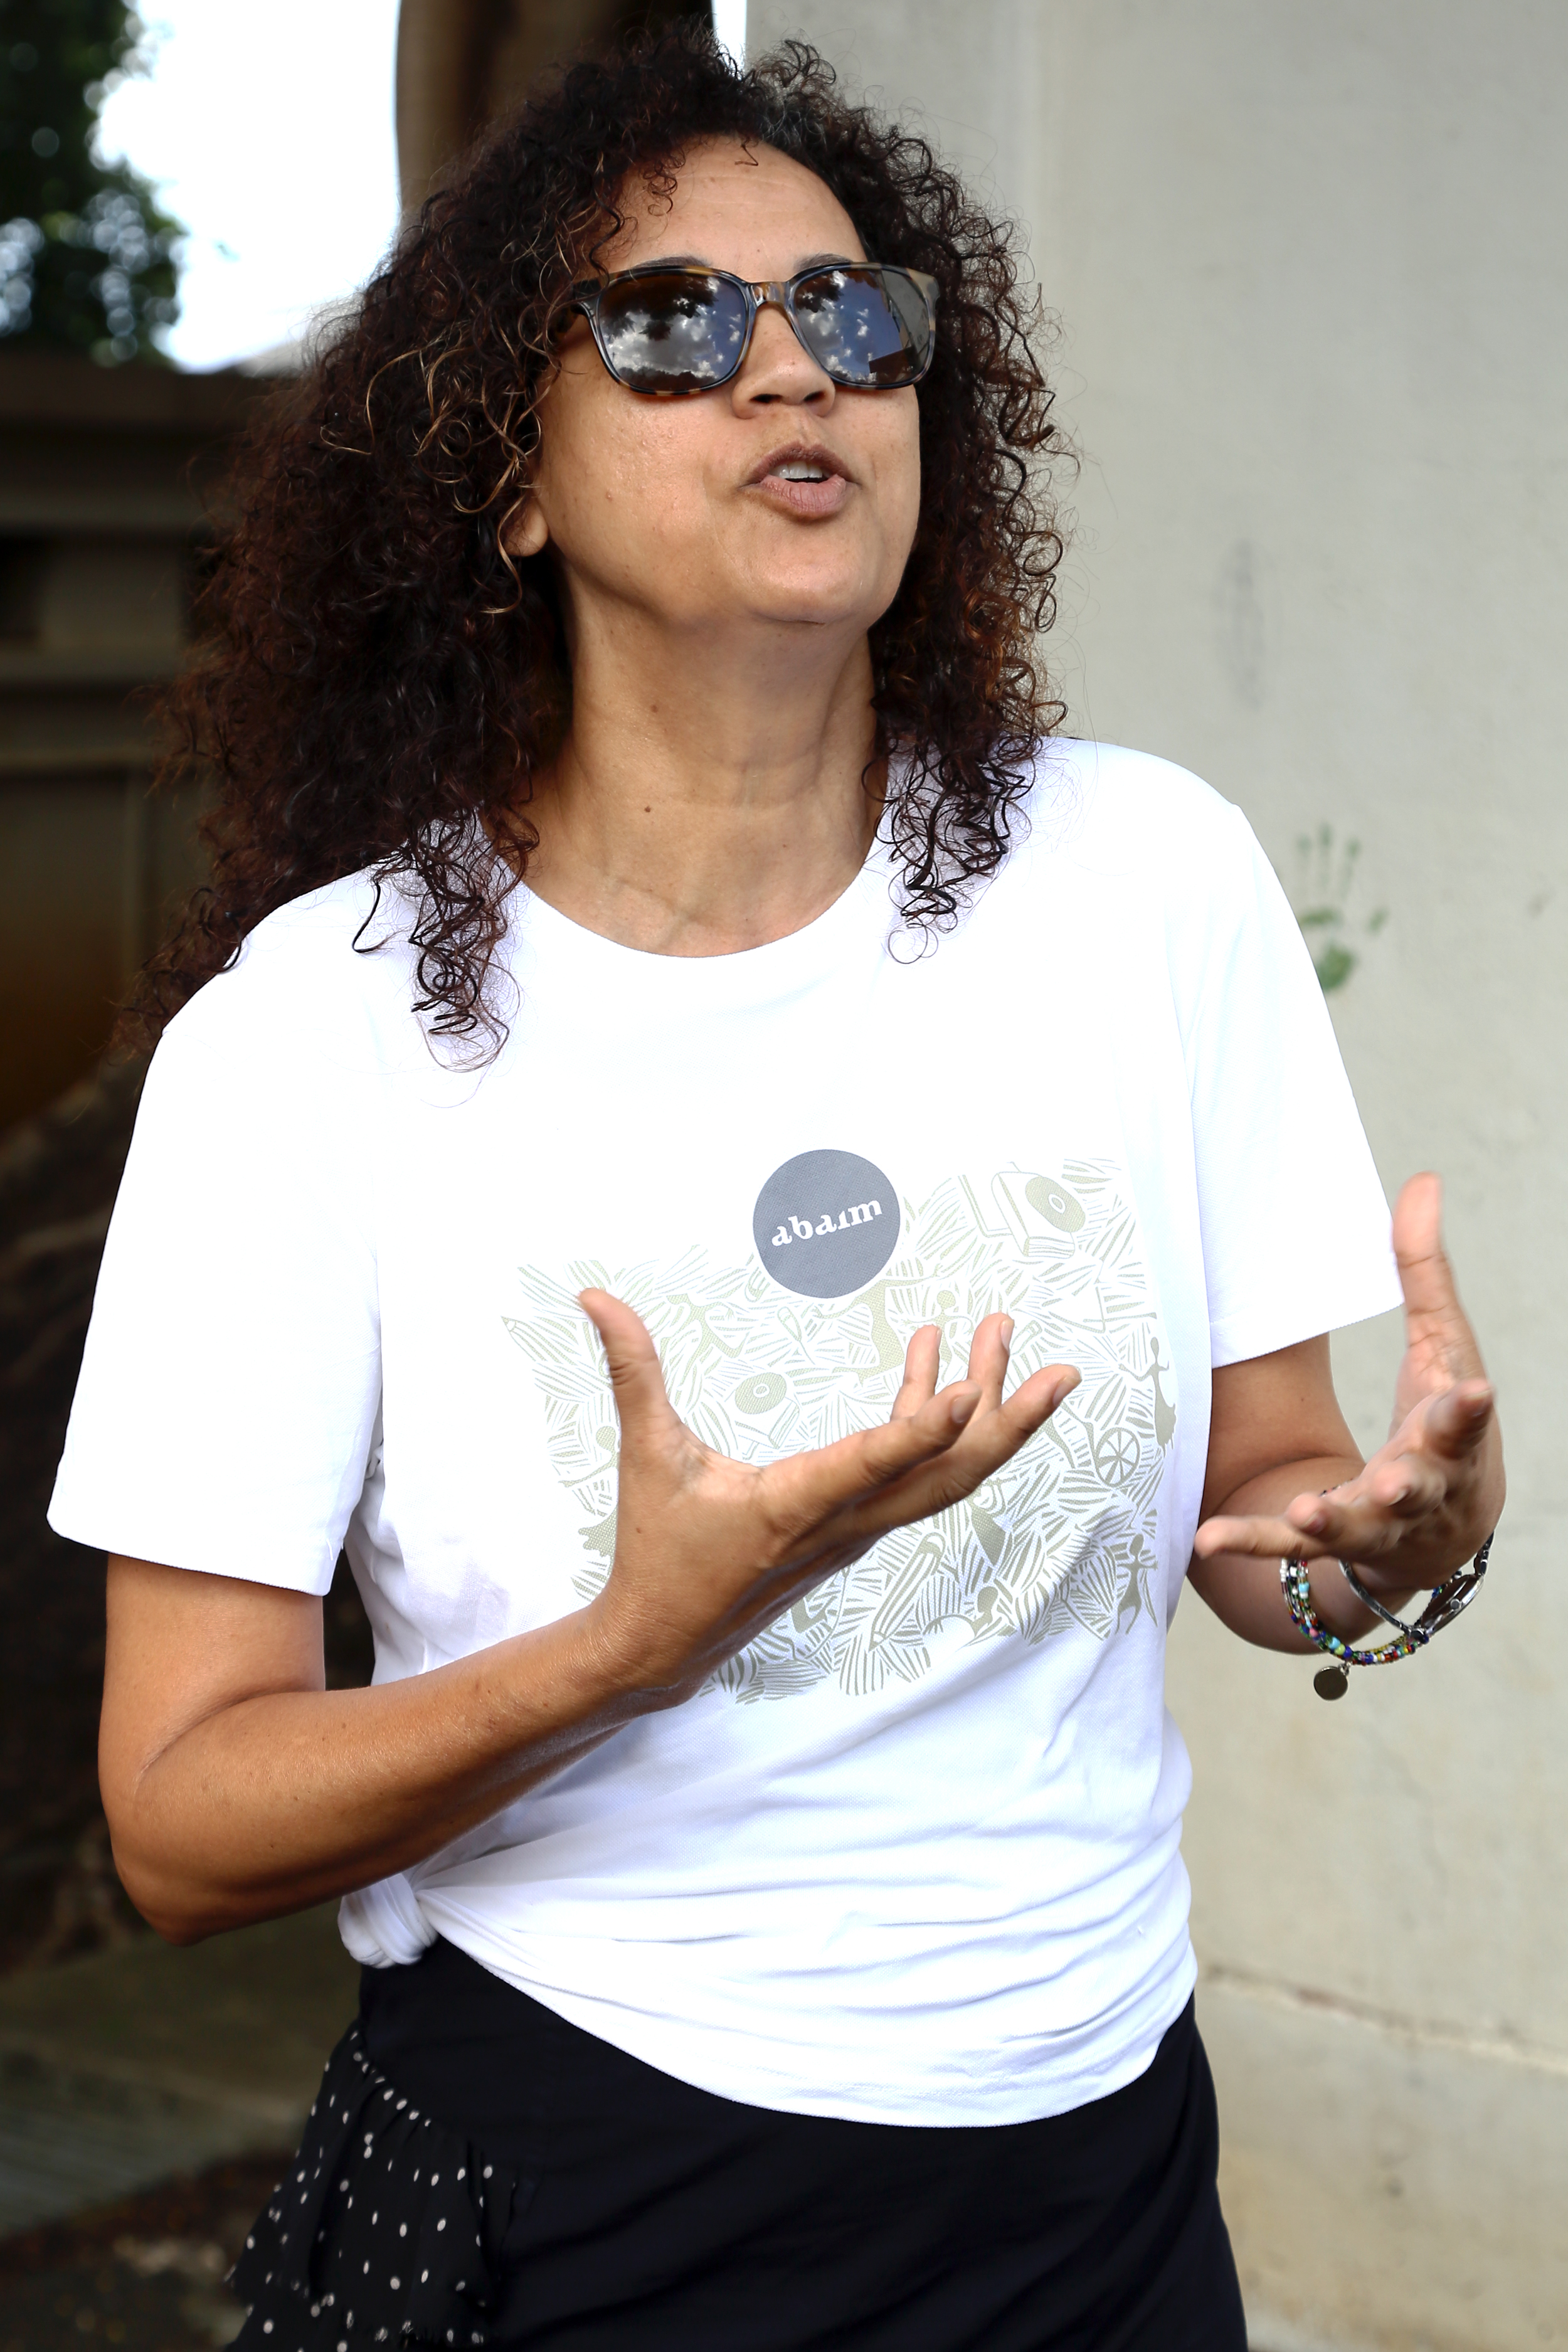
x,y
812,261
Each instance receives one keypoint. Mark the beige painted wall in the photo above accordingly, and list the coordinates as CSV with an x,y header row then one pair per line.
x,y
1310,258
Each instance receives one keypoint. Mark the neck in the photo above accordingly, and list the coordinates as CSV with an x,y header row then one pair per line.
x,y
710,795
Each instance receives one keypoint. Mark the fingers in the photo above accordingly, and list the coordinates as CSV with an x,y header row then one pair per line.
x,y
921,1366
876,1458
632,1360
1311,1526
987,1363
1256,1538
808,1492
1393,1486
1419,1489
1434,1458
1424,1473
968,1431
1029,1407
959,1435
1007,1423
1361,1520
1455,1425
995,1431
988,1354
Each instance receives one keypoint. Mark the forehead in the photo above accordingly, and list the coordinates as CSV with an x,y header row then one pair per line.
x,y
749,209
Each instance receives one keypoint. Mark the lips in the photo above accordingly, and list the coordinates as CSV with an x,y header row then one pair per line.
x,y
805,480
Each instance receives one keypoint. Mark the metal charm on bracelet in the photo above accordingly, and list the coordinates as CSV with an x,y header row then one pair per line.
x,y
1446,1604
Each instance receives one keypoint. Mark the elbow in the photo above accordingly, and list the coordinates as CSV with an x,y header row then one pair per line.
x,y
172,1911
174,1927
183,1915
175,1906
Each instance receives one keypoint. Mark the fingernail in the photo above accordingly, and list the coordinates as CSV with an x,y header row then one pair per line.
x,y
1315,1522
962,1405
1007,1331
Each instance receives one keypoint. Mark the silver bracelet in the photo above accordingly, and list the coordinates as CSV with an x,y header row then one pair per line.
x,y
1447,1602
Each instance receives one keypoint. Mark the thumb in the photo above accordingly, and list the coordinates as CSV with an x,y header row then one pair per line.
x,y
635,1379
1436,1324
1424,1271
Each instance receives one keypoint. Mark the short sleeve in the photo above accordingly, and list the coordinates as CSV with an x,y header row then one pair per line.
x,y
1295,1223
231,1378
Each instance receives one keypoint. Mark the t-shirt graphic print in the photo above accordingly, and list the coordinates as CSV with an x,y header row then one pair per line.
x,y
1063,1537
913,1855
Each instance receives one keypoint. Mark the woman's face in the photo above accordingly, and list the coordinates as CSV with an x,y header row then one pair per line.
x,y
676,508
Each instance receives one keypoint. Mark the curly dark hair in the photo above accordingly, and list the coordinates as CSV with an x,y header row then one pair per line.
x,y
377,681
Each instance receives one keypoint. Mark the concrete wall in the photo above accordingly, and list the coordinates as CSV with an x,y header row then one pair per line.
x,y
1309,258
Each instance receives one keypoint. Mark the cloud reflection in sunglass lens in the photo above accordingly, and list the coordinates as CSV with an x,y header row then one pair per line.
x,y
863,329
679,334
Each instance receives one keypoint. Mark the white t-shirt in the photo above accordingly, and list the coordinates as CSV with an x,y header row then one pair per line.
x,y
913,1856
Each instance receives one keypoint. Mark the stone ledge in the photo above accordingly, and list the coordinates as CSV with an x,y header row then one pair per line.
x,y
124,2069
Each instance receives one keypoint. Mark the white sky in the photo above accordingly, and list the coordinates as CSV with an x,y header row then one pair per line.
x,y
268,131
730,24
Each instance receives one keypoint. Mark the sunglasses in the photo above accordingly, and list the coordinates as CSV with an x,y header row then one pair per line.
x,y
669,329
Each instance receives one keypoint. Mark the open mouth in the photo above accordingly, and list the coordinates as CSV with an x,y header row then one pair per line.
x,y
806,482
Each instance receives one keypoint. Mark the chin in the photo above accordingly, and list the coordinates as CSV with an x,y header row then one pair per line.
x,y
828,597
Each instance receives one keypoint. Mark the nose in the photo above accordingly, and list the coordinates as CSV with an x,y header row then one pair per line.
x,y
780,372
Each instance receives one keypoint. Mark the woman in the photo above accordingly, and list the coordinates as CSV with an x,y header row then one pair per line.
x,y
764,1300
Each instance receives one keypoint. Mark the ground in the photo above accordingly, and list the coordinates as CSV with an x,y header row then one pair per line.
x,y
145,2275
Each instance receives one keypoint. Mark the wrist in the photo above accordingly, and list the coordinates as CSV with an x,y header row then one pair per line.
x,y
625,1660
1337,1607
1394,1586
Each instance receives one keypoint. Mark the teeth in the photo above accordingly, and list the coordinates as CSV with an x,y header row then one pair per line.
x,y
798,473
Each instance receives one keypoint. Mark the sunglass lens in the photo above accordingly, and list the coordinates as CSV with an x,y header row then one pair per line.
x,y
868,328
680,332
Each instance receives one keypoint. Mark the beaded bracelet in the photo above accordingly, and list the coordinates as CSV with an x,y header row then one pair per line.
x,y
1446,1602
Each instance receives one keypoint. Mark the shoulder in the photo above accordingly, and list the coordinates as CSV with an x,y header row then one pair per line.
x,y
1118,846
1103,808
1108,834
331,973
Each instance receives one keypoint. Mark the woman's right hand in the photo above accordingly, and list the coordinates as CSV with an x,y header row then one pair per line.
x,y
709,1551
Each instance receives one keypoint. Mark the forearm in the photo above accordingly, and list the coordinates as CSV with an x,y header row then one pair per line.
x,y
295,1796
1245,1593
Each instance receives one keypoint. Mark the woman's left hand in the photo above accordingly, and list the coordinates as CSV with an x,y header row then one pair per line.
x,y
1426,1502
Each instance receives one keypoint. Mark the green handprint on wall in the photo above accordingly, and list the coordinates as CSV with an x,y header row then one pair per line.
x,y
1325,885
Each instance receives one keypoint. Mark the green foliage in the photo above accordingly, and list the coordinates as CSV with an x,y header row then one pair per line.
x,y
1326,879
86,255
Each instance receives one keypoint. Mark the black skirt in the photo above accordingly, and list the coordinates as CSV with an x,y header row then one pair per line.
x,y
477,2172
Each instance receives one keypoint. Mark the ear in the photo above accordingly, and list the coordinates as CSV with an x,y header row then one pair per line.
x,y
527,531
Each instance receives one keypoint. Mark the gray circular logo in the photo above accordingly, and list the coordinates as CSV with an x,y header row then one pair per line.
x,y
825,1223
